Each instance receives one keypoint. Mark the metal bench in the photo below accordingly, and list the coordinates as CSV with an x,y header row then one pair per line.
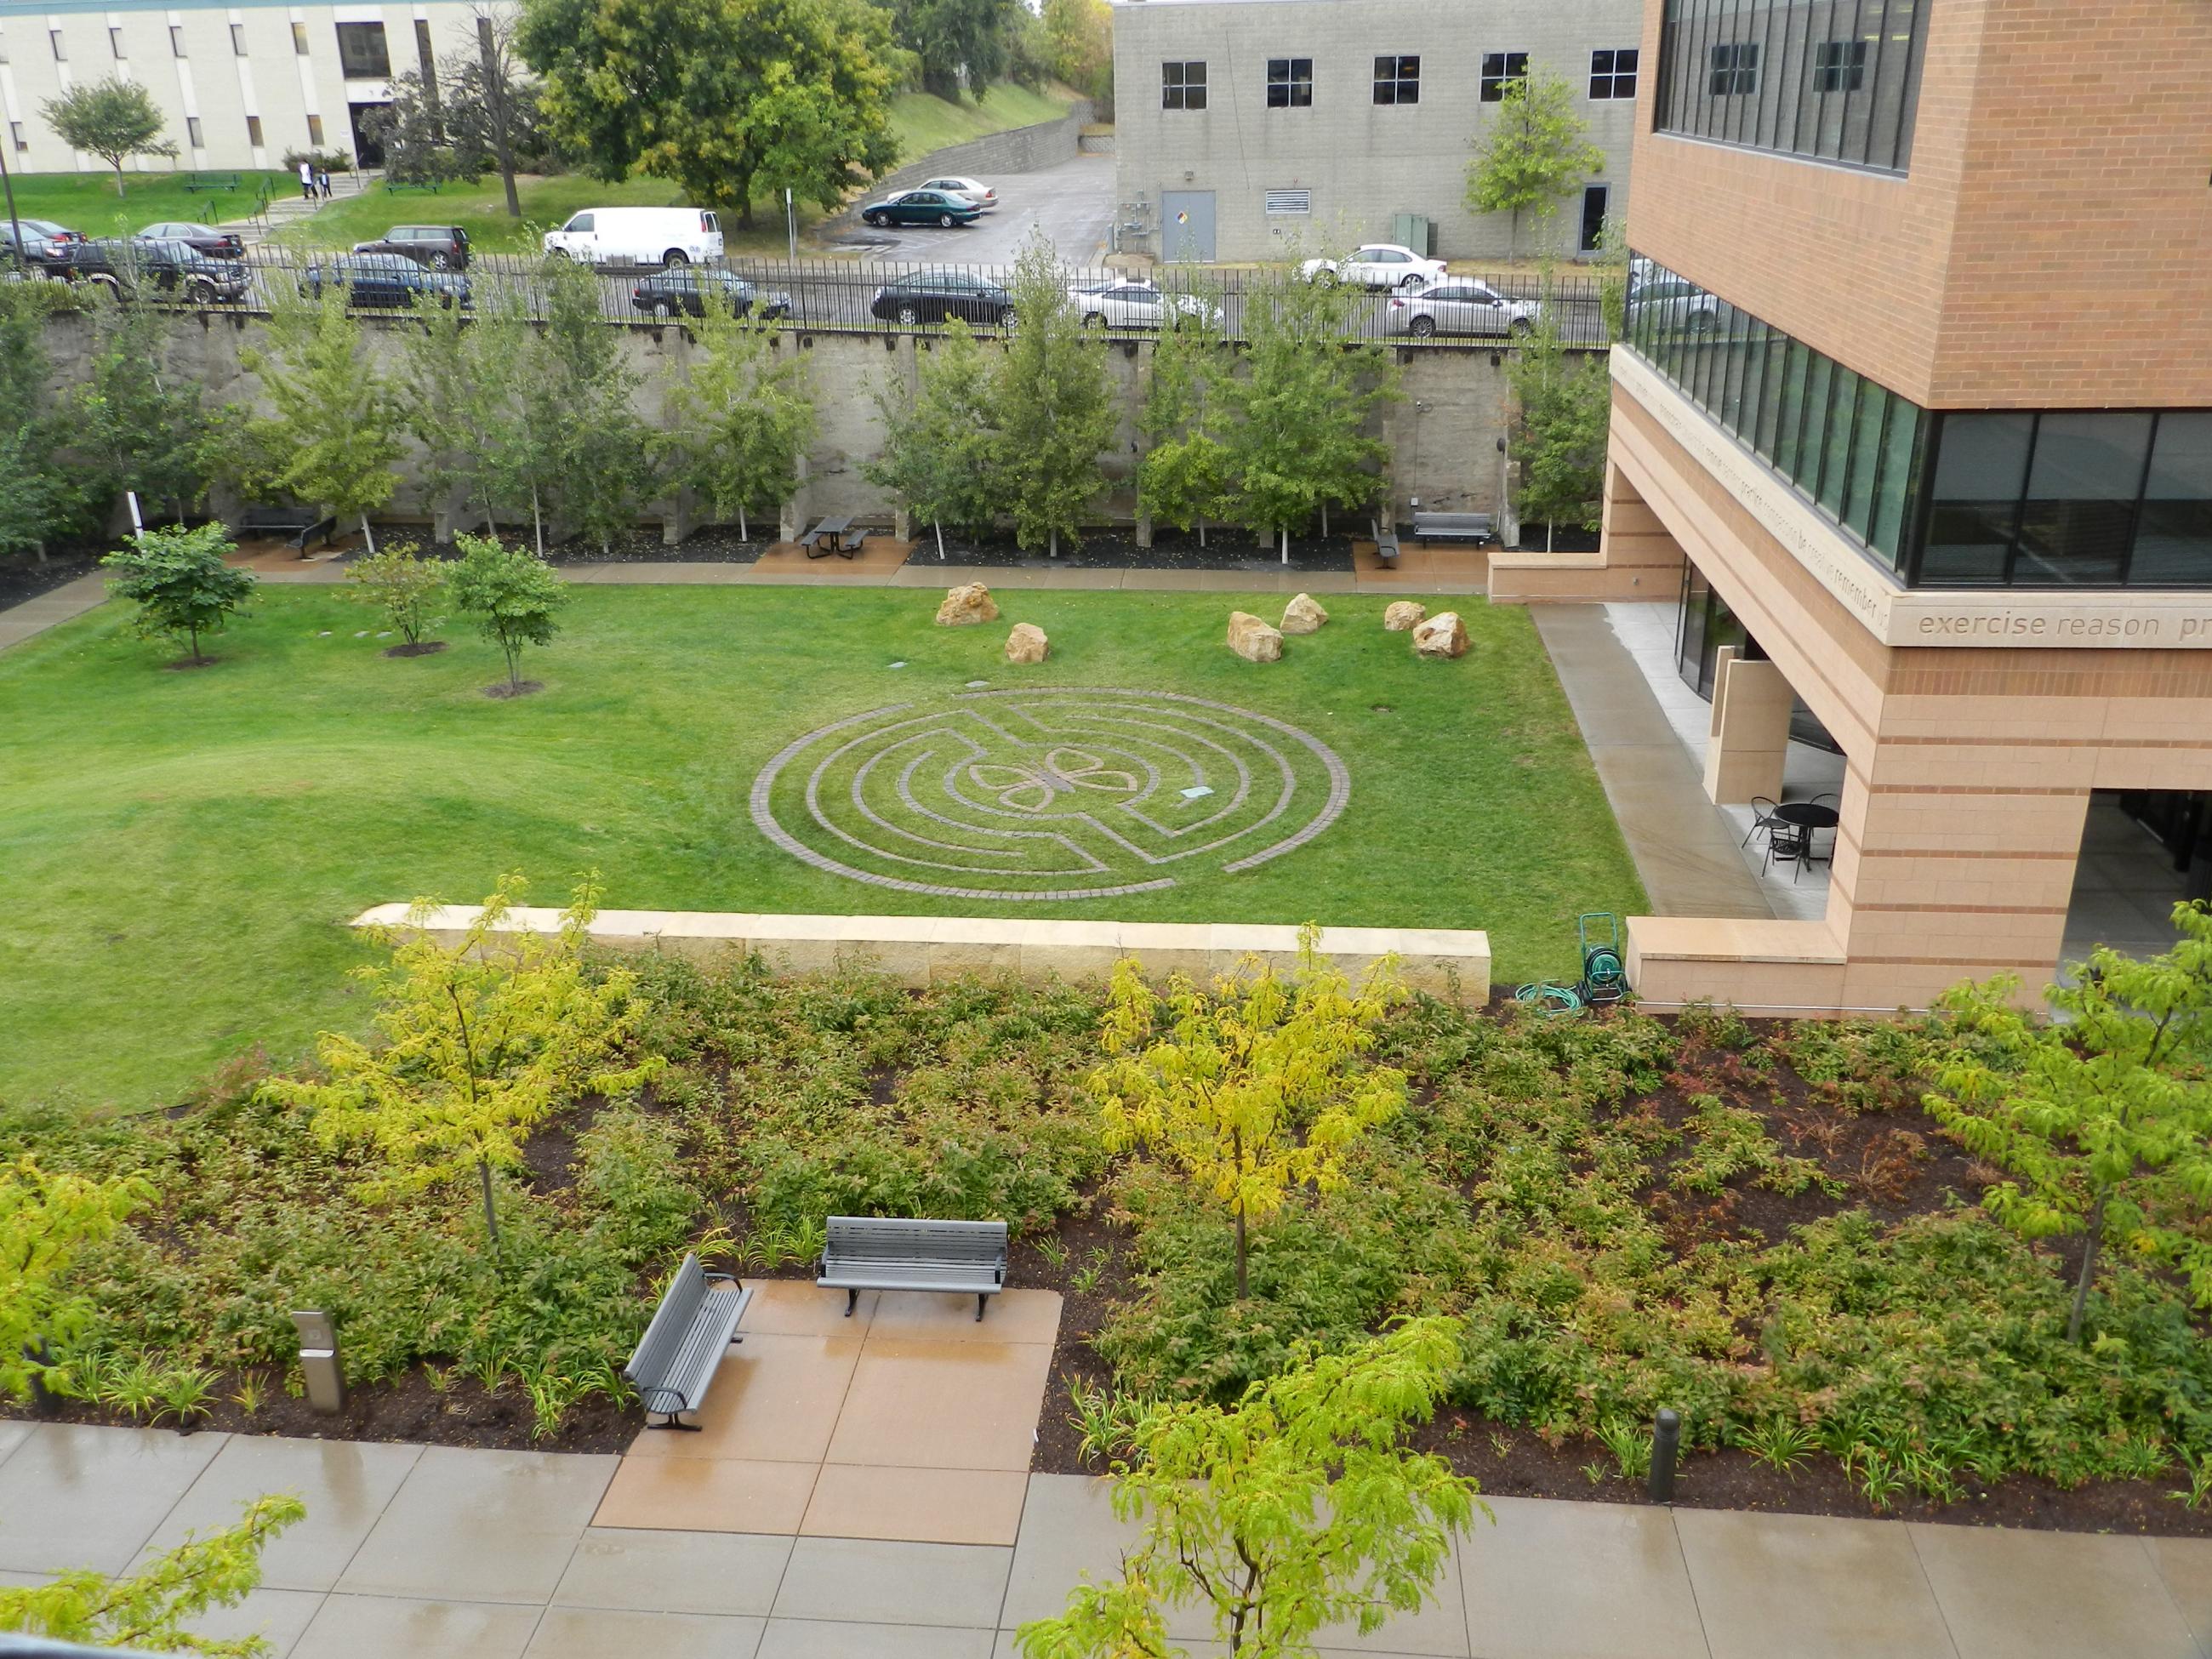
x,y
297,524
875,1253
691,1330
197,182
852,540
1386,542
1452,527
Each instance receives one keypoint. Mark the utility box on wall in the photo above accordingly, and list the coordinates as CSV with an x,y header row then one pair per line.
x,y
1416,231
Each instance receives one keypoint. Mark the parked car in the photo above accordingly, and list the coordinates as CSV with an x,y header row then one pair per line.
x,y
1131,304
385,279
441,247
1378,265
922,207
131,265
1458,305
638,236
974,190
931,297
1677,304
202,239
45,244
672,293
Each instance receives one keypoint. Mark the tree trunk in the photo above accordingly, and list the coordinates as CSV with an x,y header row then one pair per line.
x,y
1286,543
1243,1285
118,179
1324,521
1547,535
366,535
537,521
939,529
515,668
2088,1268
1051,546
491,1221
1202,530
744,530
193,629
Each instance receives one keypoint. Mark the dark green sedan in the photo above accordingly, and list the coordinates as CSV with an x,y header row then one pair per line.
x,y
922,207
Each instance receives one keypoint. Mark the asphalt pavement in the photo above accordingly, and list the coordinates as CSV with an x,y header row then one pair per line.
x,y
1072,204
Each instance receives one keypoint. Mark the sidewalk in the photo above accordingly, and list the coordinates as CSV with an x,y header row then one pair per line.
x,y
492,1555
19,623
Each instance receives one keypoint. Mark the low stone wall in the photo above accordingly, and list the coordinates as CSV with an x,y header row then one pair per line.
x,y
918,950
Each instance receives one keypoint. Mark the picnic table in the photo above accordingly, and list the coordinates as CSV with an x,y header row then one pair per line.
x,y
830,536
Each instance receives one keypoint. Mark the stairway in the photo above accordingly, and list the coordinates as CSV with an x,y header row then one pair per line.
x,y
292,206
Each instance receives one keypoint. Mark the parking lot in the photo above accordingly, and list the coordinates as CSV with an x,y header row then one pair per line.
x,y
1072,204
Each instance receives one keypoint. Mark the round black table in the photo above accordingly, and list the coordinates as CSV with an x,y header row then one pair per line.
x,y
1807,815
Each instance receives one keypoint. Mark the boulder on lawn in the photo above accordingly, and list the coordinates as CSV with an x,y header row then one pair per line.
x,y
1441,636
1303,615
1027,643
966,605
1403,615
1252,640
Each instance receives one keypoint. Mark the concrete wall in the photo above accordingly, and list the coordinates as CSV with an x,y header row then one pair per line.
x,y
1018,149
1363,162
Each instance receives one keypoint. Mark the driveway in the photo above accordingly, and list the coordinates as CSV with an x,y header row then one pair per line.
x,y
1072,203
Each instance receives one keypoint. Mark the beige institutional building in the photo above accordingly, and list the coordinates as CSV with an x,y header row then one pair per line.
x,y
1914,412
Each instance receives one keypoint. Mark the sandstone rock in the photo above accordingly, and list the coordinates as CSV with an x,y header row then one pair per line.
x,y
1252,639
1027,643
1402,616
967,604
1441,636
1303,615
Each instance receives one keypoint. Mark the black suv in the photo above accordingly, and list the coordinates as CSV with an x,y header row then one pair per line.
x,y
441,247
385,279
45,245
931,297
683,292
135,265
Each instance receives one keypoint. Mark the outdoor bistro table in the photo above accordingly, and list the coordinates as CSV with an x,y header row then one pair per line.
x,y
1806,816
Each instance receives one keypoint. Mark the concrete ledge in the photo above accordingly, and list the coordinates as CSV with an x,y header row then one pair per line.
x,y
1758,967
918,950
1523,577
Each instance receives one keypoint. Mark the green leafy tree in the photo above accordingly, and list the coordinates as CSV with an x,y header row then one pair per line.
x,y
577,453
402,584
458,391
41,495
1183,477
1055,407
515,597
727,98
2105,1122
941,448
1297,1508
335,438
741,416
476,1042
146,427
45,1217
958,43
182,583
112,118
1080,35
1535,149
1253,1087
1563,414
153,1607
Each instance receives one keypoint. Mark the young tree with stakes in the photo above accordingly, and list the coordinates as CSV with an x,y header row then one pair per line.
x,y
515,597
941,448
1056,410
741,416
182,583
112,118
476,1042
334,440
1535,149
45,1217
402,584
458,390
2105,1122
1563,413
1297,1508
1182,478
146,427
1252,1087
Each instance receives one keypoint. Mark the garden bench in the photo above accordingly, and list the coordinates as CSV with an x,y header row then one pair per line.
x,y
691,1330
1452,527
1386,543
395,185
875,1253
297,524
197,182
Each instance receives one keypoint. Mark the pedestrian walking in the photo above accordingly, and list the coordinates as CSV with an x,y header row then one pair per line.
x,y
306,182
323,182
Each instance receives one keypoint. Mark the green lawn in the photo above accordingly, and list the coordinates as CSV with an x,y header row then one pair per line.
x,y
88,202
178,849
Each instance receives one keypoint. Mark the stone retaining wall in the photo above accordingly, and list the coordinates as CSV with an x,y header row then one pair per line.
x,y
918,950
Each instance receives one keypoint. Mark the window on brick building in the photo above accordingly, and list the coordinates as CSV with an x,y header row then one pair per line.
x,y
1734,70
1290,82
1838,65
1613,73
1398,79
1182,84
1500,69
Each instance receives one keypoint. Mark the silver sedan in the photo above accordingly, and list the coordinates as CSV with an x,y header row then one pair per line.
x,y
1458,305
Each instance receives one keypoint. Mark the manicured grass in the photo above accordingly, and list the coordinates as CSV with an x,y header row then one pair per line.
x,y
88,202
179,849
925,123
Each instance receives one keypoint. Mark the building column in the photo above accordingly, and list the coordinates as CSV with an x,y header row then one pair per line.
x,y
1637,558
1750,730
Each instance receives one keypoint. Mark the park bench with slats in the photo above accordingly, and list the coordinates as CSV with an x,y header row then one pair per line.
x,y
1386,542
1452,527
691,1330
876,1253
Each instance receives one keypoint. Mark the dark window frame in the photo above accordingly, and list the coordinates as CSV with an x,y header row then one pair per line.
x,y
357,61
1500,69
1397,78
1843,71
1292,79
1177,86
1613,72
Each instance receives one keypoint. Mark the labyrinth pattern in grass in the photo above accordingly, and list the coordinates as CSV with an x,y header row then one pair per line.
x,y
1064,793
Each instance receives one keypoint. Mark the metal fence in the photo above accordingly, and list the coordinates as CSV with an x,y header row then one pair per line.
x,y
849,296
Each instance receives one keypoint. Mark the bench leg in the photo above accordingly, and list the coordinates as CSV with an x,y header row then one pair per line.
x,y
981,1302
852,1296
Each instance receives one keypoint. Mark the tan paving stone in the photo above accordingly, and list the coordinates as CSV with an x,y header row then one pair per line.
x,y
922,1506
278,1617
74,1496
799,1306
944,1405
480,1525
707,1494
1809,1586
817,1638
345,1485
2184,1565
776,1399
381,1626
1012,1316
601,1632
642,1571
2007,1593
1556,1580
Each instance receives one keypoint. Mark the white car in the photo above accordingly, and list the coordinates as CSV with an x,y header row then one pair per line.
x,y
973,188
1129,304
1458,305
1376,265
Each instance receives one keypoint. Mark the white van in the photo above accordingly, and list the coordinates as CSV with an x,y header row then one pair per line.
x,y
638,236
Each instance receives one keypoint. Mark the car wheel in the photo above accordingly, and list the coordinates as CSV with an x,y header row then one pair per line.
x,y
441,262
1701,322
1413,282
1006,320
1424,327
1325,276
945,222
910,316
1094,320
667,308
1520,328
560,253
674,259
871,218
200,291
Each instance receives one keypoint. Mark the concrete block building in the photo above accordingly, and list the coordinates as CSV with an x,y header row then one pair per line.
x,y
241,84
1914,414
1255,129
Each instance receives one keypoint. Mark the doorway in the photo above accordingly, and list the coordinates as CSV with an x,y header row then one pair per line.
x,y
1594,200
1187,225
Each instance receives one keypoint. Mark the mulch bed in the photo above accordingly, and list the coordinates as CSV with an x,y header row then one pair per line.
x,y
26,579
1227,548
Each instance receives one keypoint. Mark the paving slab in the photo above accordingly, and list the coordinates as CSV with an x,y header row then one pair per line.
x,y
939,1506
871,1581
1809,1586
2184,1565
2011,1595
707,1494
715,1572
1439,1629
35,616
1068,1529
1559,1580
776,1399
383,1626
12,1435
601,1633
812,1639
796,1307
481,1526
345,1483
949,1405
278,1617
1013,1316
75,1496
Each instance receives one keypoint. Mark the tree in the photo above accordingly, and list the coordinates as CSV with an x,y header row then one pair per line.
x,y
402,585
45,1217
1184,477
1535,149
1056,410
182,583
40,494
114,120
742,416
458,395
958,42
1251,1087
447,124
1296,1508
147,429
334,440
480,1040
2105,1121
580,432
940,452
515,595
725,97
1080,34
1563,413
153,1606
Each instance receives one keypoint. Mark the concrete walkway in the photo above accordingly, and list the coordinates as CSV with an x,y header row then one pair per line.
x,y
19,623
432,1552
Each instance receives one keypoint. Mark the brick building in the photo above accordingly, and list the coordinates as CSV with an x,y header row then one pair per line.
x,y
1915,414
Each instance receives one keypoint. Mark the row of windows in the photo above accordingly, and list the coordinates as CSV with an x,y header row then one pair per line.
x,y
1397,78
363,54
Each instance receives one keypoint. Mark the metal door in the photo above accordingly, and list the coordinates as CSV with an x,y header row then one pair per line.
x,y
1187,224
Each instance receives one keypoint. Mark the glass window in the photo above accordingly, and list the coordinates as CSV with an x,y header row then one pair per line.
x,y
1734,66
61,51
1866,457
1893,493
1838,65
1183,85
2082,487
1613,73
315,130
238,39
253,130
362,53
1731,373
1290,82
1835,462
176,41
300,38
1772,395
2174,541
1500,69
192,135
15,131
1981,467
1813,429
115,42
1398,79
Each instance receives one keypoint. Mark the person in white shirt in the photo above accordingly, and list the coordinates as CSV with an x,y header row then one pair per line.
x,y
307,180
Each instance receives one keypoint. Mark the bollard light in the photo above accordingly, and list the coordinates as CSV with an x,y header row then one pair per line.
x,y
1666,1446
319,1360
